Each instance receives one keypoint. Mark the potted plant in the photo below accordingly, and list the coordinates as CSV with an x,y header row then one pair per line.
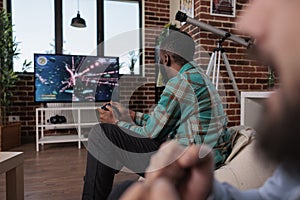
x,y
9,133
134,56
130,60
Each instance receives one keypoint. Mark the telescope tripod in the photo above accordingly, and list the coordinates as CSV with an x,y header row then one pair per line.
x,y
214,66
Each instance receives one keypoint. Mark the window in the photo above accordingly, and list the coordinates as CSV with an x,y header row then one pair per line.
x,y
44,27
34,30
80,41
122,33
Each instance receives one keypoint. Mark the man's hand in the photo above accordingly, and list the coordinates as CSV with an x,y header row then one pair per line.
x,y
107,116
115,111
176,173
122,113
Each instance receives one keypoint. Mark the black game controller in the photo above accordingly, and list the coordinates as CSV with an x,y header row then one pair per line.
x,y
104,107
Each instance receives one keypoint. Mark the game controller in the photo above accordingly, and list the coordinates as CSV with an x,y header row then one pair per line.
x,y
104,107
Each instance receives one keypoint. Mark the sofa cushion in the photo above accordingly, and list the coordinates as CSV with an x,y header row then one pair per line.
x,y
243,168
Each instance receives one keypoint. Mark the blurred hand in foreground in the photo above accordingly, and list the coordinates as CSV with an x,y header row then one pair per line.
x,y
176,172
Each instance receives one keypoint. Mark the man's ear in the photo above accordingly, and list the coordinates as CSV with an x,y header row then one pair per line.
x,y
167,59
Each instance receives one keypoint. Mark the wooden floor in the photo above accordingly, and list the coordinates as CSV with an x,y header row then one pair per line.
x,y
56,172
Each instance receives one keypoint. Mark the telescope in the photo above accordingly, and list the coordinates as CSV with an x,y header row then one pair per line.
x,y
219,52
182,17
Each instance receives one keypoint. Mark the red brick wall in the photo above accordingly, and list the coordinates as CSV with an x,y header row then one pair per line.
x,y
156,17
24,106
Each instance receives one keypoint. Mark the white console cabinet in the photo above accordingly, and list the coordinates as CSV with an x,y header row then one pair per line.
x,y
81,118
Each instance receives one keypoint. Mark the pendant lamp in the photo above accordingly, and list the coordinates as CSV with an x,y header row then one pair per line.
x,y
78,21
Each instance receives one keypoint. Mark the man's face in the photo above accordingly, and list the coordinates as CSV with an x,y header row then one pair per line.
x,y
167,71
275,26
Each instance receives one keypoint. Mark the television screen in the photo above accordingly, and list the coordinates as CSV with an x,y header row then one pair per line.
x,y
75,78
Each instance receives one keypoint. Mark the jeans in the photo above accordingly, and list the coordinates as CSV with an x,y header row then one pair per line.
x,y
109,149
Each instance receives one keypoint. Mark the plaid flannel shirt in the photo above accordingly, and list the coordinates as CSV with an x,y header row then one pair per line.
x,y
189,111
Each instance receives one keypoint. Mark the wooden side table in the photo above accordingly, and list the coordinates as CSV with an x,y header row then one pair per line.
x,y
11,163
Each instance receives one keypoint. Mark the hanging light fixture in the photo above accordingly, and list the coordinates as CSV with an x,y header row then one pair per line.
x,y
78,21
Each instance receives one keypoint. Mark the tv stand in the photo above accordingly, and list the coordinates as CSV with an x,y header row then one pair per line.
x,y
81,118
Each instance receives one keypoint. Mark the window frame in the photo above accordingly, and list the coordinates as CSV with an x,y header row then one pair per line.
x,y
141,35
58,28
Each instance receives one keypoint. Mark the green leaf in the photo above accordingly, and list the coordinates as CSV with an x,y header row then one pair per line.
x,y
8,51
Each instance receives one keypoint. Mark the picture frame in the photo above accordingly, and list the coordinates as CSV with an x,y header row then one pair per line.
x,y
225,8
187,6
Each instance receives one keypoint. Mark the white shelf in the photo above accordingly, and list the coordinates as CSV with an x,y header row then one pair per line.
x,y
59,138
77,117
252,104
66,126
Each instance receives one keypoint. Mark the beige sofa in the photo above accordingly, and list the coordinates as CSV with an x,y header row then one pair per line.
x,y
243,168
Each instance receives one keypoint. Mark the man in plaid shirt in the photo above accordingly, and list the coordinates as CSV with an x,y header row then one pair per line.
x,y
189,111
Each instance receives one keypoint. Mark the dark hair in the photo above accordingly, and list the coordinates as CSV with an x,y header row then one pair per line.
x,y
179,45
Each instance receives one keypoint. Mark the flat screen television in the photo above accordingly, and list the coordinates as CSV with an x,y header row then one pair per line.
x,y
75,78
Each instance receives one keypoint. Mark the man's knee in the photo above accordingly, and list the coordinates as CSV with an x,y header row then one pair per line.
x,y
95,138
98,131
102,134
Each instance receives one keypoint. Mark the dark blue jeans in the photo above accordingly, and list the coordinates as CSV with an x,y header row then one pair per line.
x,y
109,149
